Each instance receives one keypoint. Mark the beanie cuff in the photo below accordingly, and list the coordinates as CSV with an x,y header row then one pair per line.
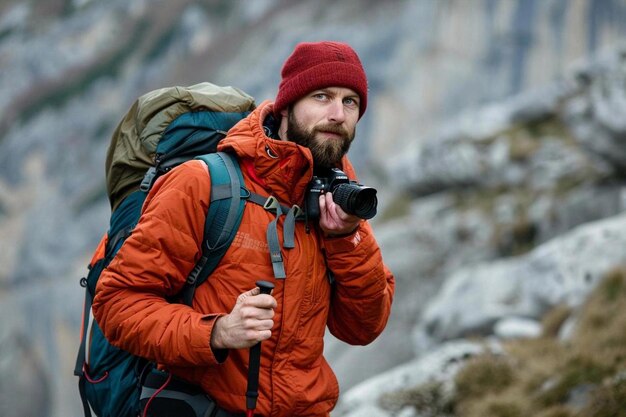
x,y
325,74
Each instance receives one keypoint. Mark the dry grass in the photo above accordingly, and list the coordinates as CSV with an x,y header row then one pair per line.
x,y
484,375
430,400
553,320
577,378
545,377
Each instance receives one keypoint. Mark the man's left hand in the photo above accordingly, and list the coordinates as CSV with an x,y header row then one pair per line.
x,y
334,221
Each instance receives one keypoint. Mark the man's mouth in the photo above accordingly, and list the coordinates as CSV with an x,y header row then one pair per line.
x,y
331,134
337,133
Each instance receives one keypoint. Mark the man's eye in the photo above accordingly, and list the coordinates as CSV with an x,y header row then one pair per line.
x,y
350,102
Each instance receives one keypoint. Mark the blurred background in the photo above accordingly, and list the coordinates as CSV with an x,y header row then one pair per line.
x,y
494,132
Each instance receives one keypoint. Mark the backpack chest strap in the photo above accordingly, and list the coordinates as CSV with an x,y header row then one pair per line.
x,y
292,214
227,200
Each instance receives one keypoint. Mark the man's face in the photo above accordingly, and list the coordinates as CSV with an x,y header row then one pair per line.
x,y
325,122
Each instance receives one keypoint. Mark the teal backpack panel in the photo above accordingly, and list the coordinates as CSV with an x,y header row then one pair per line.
x,y
112,380
109,376
196,133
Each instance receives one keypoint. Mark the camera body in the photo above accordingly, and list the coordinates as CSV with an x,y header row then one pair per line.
x,y
352,197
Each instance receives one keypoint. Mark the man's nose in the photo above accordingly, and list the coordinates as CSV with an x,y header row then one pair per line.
x,y
336,112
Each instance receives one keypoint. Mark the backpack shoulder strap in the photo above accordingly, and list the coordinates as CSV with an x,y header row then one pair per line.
x,y
223,218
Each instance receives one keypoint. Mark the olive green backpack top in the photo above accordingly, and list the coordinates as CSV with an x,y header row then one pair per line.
x,y
173,123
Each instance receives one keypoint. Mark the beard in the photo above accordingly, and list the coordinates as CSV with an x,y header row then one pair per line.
x,y
327,153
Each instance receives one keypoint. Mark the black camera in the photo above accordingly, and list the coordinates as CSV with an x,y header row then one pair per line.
x,y
353,198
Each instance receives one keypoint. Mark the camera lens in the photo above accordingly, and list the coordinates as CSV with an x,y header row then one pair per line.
x,y
355,199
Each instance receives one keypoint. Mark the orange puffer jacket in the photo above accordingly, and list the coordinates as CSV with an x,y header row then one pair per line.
x,y
295,379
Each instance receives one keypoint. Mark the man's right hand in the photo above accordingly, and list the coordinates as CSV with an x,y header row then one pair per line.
x,y
250,322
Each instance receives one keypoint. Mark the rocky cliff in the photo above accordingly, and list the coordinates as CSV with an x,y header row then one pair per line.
x,y
494,131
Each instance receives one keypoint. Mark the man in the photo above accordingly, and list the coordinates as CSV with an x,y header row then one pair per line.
x,y
335,276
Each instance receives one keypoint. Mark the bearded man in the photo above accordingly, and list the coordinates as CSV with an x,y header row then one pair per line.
x,y
332,276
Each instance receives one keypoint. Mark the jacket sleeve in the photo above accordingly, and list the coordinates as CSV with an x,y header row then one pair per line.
x,y
131,304
364,286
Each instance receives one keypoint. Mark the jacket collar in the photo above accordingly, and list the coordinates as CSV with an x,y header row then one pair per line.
x,y
282,168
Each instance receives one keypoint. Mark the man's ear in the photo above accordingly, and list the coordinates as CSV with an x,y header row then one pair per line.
x,y
282,126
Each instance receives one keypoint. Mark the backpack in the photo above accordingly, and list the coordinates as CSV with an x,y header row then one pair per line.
x,y
161,130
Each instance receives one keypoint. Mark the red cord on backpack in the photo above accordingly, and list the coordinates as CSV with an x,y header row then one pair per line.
x,y
167,381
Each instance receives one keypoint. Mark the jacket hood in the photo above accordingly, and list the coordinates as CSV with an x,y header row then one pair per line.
x,y
282,168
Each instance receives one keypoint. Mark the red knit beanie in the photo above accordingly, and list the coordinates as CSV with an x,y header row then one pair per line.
x,y
318,65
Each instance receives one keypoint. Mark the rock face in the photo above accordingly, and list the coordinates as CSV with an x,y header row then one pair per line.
x,y
483,138
562,271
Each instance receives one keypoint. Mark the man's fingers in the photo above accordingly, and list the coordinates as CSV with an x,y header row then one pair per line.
x,y
245,295
322,201
256,299
255,336
328,200
259,325
264,335
264,301
256,313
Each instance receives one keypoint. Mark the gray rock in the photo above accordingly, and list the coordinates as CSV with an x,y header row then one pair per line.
x,y
517,328
564,270
439,365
